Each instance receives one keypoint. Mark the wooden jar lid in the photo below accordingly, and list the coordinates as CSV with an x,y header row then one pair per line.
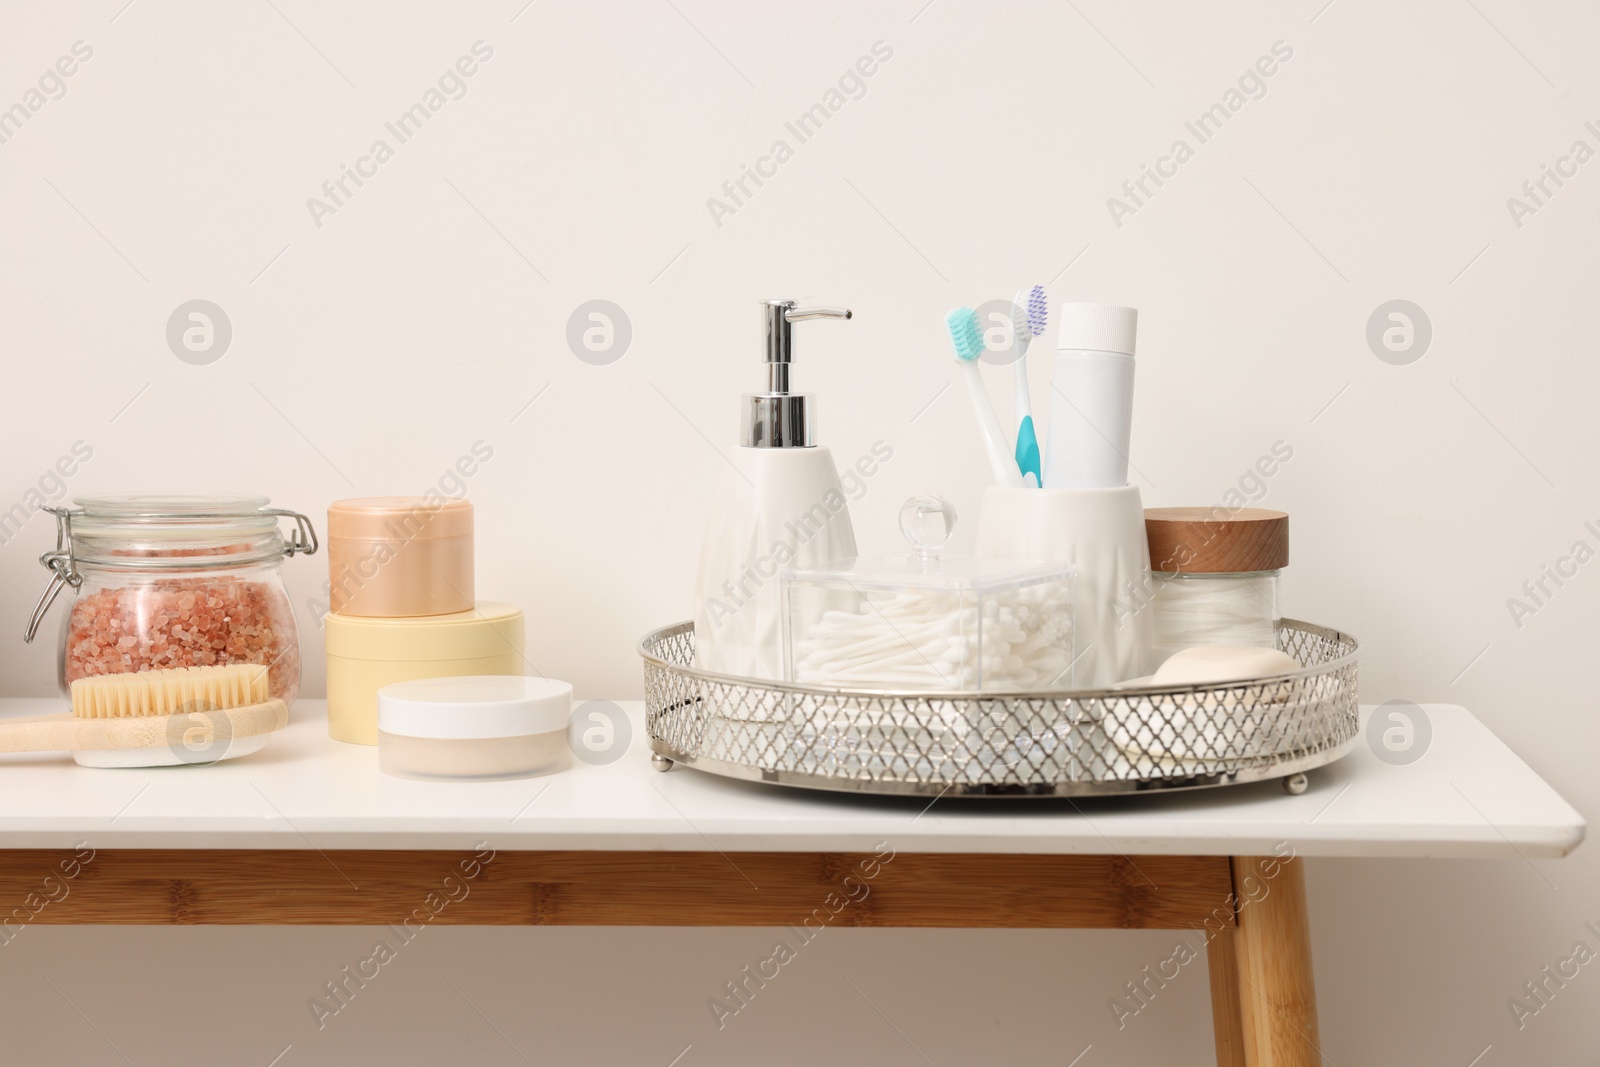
x,y
1216,540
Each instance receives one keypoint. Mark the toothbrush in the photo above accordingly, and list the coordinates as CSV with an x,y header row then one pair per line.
x,y
967,337
1030,312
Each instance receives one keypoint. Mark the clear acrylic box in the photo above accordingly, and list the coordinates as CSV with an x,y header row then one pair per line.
x,y
924,621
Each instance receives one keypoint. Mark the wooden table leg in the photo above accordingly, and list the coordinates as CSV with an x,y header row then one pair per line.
x,y
1227,1015
1263,999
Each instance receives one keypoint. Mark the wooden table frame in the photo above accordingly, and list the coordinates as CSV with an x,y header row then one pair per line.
x,y
1251,910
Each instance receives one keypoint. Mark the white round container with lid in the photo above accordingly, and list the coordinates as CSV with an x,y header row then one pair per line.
x,y
474,729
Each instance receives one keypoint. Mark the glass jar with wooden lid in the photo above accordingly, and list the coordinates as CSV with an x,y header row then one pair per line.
x,y
1215,573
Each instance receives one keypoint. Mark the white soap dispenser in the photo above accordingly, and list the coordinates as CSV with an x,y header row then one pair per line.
x,y
778,506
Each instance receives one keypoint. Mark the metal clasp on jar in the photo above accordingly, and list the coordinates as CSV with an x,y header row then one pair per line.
x,y
62,563
304,539
63,568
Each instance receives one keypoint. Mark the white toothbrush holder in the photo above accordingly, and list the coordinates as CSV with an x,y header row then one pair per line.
x,y
1101,533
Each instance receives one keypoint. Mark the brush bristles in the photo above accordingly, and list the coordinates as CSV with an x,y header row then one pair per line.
x,y
176,691
1038,310
1021,328
965,333
1030,313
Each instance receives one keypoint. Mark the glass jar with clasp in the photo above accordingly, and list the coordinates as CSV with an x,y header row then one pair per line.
x,y
174,581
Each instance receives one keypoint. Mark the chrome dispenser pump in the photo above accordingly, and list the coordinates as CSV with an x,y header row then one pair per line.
x,y
778,418
779,503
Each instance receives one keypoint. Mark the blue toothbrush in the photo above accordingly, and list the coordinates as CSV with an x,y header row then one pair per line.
x,y
966,337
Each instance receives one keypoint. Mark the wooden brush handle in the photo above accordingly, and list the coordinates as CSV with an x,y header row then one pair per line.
x,y
40,733
66,733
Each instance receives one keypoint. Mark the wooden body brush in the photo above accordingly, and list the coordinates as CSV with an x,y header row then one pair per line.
x,y
162,718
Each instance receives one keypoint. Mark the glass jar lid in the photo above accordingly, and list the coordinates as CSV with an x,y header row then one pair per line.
x,y
135,506
146,516
182,532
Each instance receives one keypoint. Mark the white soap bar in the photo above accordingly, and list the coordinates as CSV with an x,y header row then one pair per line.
x,y
1206,664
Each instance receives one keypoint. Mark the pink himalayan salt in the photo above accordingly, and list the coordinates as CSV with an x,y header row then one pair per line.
x,y
185,622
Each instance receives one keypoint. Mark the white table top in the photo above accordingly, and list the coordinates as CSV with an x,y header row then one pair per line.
x,y
1469,795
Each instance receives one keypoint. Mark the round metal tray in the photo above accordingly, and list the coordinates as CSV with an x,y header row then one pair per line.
x,y
1038,744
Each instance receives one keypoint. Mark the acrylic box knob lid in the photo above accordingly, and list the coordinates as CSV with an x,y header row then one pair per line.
x,y
927,520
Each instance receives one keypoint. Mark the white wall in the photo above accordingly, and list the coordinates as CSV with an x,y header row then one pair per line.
x,y
371,352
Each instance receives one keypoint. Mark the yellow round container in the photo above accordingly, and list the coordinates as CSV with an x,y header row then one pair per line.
x,y
365,654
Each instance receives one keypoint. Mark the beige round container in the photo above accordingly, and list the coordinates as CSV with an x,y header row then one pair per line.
x,y
366,654
400,556
482,729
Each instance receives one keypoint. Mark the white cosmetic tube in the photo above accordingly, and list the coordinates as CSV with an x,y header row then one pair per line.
x,y
1091,398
